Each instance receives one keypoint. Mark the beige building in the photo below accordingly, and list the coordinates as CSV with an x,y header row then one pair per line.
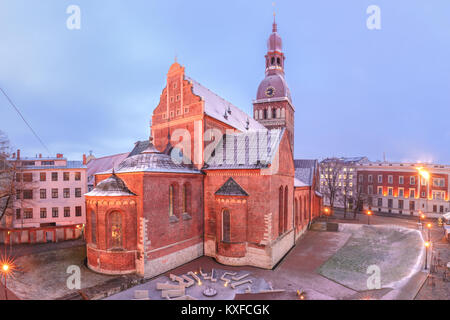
x,y
49,192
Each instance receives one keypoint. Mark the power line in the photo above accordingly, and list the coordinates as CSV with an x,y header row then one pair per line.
x,y
20,114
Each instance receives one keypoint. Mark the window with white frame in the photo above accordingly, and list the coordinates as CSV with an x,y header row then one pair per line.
x,y
412,180
390,191
380,178
438,195
370,178
380,191
401,180
390,179
401,192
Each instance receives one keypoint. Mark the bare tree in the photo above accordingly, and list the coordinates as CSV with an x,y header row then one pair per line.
x,y
331,168
358,198
7,189
346,189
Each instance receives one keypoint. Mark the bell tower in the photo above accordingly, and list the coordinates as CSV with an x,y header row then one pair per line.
x,y
273,106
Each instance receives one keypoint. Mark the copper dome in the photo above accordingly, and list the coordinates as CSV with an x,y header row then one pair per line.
x,y
278,83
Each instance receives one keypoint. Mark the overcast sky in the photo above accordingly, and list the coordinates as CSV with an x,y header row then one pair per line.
x,y
356,91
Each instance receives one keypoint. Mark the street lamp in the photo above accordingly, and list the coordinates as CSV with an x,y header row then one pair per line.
x,y
369,213
327,212
7,269
421,217
426,244
429,225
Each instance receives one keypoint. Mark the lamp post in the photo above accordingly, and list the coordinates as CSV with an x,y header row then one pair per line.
x,y
369,213
327,212
5,271
421,218
426,244
429,225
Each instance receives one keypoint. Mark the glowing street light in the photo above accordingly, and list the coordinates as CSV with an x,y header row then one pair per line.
x,y
7,268
429,225
427,245
369,213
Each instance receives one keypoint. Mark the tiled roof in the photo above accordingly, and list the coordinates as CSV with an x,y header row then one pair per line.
x,y
216,107
231,188
304,172
251,150
111,187
139,147
151,160
348,160
102,164
70,165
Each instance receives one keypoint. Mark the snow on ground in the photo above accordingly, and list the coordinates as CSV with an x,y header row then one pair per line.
x,y
395,250
44,276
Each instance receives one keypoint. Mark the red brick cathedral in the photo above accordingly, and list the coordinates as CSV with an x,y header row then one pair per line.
x,y
210,181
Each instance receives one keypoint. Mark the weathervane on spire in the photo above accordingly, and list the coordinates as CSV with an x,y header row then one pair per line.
x,y
274,29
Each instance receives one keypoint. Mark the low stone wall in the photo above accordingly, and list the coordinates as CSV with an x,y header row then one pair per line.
x,y
40,235
168,262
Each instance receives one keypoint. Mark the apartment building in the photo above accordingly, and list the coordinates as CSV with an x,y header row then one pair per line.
x,y
48,192
405,188
345,178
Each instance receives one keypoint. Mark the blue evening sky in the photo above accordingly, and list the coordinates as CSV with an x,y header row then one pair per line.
x,y
356,91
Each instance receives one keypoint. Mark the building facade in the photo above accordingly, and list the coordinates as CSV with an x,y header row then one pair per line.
x,y
48,192
344,179
406,188
200,184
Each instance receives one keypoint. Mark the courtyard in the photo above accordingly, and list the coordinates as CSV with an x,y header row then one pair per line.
x,y
323,265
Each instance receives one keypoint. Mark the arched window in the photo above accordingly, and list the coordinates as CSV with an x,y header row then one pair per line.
x,y
304,209
186,198
226,226
280,211
279,61
272,61
285,219
115,222
295,212
265,113
93,227
274,113
171,200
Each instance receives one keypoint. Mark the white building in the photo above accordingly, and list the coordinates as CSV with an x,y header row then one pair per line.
x,y
49,192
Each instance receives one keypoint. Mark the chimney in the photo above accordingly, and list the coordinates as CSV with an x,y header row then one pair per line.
x,y
40,155
84,160
14,155
59,155
18,154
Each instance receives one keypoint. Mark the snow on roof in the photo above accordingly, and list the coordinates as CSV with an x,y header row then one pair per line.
x,y
102,164
215,107
304,172
111,187
251,150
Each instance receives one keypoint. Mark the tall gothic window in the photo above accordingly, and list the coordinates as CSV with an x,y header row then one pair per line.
x,y
186,198
171,200
226,226
93,227
115,221
295,212
285,219
304,209
280,211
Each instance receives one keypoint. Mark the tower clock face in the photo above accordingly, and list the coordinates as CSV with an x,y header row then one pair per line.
x,y
270,92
